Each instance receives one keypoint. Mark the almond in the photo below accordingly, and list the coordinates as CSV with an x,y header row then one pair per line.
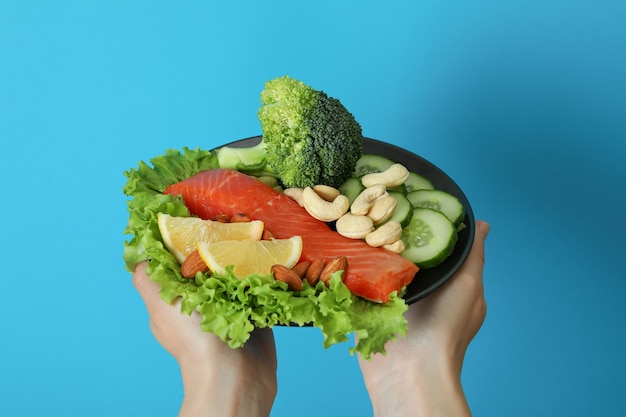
x,y
301,268
288,276
240,218
222,218
314,271
267,235
192,265
336,264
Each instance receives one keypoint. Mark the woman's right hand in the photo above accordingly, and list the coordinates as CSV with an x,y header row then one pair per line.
x,y
217,379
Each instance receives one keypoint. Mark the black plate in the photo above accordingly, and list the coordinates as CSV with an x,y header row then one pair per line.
x,y
426,280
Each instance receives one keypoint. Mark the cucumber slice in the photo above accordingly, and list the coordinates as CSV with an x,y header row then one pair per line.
x,y
351,188
439,200
404,209
398,189
429,238
417,182
369,163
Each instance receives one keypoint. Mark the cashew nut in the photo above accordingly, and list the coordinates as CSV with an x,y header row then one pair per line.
x,y
386,234
393,176
353,226
295,194
395,247
327,192
363,202
382,209
326,211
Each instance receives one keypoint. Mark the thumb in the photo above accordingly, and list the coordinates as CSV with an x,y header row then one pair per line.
x,y
147,289
482,229
476,260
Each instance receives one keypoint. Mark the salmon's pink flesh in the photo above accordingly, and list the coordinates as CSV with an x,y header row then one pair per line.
x,y
373,273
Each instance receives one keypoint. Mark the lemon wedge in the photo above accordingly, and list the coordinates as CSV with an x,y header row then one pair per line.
x,y
180,234
250,257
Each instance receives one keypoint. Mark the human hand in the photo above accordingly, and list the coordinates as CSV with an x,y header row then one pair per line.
x,y
217,380
421,373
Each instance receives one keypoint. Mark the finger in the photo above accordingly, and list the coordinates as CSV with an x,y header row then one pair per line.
x,y
265,339
476,260
148,289
482,229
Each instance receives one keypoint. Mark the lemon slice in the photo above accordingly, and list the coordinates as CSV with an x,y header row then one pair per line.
x,y
180,234
250,257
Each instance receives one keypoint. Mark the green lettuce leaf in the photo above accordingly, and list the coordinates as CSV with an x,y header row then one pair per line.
x,y
230,307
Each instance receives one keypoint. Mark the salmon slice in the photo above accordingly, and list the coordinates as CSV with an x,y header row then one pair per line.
x,y
372,273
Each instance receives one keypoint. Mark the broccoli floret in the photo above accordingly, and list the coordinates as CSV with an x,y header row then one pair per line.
x,y
310,138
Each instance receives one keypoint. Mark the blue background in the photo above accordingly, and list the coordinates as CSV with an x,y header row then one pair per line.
x,y
523,103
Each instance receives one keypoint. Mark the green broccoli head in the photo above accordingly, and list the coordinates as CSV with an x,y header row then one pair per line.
x,y
311,138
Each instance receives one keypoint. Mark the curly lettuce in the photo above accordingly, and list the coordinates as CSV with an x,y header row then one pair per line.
x,y
230,307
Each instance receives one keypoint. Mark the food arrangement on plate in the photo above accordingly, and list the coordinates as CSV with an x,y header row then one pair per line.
x,y
309,224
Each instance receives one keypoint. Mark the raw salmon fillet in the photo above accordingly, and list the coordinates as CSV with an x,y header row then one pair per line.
x,y
373,273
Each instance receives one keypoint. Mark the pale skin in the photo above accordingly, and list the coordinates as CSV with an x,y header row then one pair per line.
x,y
419,376
421,373
217,380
